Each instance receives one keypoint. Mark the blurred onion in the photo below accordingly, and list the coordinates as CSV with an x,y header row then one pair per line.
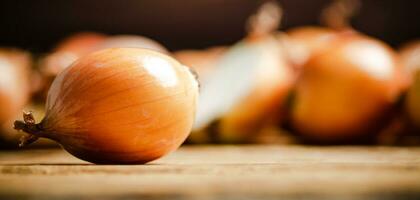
x,y
346,89
249,85
15,67
410,60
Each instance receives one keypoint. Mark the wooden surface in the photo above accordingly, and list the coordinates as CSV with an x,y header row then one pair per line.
x,y
219,172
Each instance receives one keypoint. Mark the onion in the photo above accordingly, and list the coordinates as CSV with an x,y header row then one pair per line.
x,y
119,105
345,90
410,60
202,61
248,86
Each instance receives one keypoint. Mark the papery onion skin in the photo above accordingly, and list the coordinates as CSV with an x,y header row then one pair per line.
x,y
344,91
120,105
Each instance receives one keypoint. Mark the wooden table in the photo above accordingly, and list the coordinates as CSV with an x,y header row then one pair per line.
x,y
219,172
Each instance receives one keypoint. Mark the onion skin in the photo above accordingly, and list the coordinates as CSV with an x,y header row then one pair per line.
x,y
15,66
345,90
119,105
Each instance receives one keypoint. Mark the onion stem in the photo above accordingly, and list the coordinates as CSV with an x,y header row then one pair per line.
x,y
337,15
265,20
29,126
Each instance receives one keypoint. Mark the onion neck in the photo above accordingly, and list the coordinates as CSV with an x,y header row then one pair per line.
x,y
337,15
29,126
265,21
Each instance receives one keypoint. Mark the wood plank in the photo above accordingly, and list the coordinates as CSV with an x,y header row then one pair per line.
x,y
219,172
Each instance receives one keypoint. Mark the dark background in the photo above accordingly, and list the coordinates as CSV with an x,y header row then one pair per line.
x,y
37,24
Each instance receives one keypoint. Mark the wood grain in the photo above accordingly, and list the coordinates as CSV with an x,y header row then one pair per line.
x,y
219,172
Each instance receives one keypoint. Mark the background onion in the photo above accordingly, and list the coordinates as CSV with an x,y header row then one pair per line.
x,y
345,90
15,66
249,85
410,60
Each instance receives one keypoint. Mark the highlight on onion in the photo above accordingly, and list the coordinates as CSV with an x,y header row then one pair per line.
x,y
345,91
119,105
248,86
202,61
410,60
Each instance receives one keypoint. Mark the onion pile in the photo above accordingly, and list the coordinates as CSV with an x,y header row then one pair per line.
x,y
119,105
248,86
